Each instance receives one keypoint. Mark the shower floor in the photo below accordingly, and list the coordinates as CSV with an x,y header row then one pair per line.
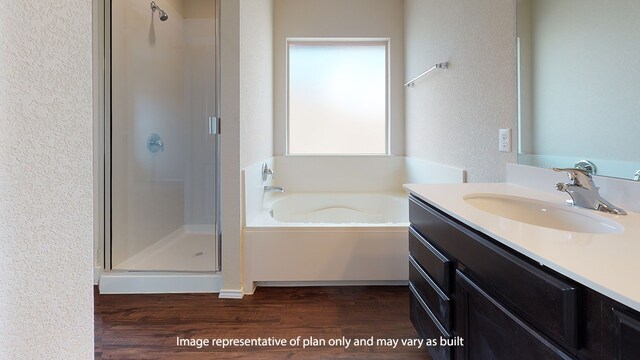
x,y
190,248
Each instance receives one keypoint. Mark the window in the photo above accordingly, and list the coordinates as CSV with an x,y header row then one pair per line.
x,y
337,97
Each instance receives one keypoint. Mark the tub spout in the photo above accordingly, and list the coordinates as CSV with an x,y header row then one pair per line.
x,y
279,189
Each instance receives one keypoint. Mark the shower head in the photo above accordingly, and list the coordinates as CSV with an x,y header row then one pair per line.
x,y
162,13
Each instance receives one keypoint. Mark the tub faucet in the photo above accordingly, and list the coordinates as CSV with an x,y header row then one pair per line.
x,y
279,189
584,192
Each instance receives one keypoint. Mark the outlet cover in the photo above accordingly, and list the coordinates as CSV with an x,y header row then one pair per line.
x,y
504,140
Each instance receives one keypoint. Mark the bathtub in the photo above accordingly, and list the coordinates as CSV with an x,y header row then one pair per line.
x,y
335,210
327,238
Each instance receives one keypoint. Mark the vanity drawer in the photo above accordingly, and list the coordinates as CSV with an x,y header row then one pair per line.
x,y
437,301
427,326
543,299
434,263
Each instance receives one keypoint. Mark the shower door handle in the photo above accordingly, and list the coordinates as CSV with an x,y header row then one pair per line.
x,y
214,125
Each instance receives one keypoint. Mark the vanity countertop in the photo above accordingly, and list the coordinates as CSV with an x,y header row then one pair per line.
x,y
607,263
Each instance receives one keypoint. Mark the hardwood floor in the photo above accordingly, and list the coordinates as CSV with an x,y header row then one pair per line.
x,y
146,326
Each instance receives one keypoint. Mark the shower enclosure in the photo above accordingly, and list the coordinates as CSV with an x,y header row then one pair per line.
x,y
161,183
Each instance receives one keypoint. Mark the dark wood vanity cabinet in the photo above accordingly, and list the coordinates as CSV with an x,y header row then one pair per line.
x,y
487,301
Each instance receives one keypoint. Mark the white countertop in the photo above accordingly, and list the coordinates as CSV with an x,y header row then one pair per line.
x,y
606,263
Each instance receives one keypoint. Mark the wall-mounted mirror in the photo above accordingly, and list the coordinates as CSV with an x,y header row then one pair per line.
x,y
579,84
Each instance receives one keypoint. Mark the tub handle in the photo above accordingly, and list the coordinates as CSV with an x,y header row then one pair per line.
x,y
266,172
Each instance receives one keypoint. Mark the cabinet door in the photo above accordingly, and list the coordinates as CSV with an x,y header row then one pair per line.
x,y
491,331
626,336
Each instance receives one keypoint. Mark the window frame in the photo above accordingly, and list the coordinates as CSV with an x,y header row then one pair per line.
x,y
386,42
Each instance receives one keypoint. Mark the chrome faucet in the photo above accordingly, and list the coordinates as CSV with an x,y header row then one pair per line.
x,y
584,192
273,189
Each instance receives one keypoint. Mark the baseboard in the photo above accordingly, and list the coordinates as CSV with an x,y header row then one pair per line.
x,y
231,293
250,288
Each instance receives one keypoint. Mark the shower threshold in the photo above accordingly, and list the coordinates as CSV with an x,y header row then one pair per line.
x,y
159,282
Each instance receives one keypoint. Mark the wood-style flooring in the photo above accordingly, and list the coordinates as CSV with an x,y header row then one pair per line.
x,y
146,326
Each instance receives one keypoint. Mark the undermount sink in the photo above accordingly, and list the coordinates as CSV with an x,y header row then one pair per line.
x,y
542,213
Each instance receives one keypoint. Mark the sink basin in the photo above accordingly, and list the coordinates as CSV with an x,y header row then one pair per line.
x,y
542,213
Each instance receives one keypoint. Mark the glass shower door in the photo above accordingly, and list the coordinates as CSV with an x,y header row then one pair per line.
x,y
163,169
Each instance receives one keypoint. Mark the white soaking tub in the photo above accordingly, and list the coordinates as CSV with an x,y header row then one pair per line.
x,y
328,238
341,209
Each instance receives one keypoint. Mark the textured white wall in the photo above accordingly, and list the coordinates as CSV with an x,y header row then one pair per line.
x,y
256,81
339,18
46,305
452,117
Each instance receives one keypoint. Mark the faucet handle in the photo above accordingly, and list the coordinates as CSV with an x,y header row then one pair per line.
x,y
577,176
266,172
